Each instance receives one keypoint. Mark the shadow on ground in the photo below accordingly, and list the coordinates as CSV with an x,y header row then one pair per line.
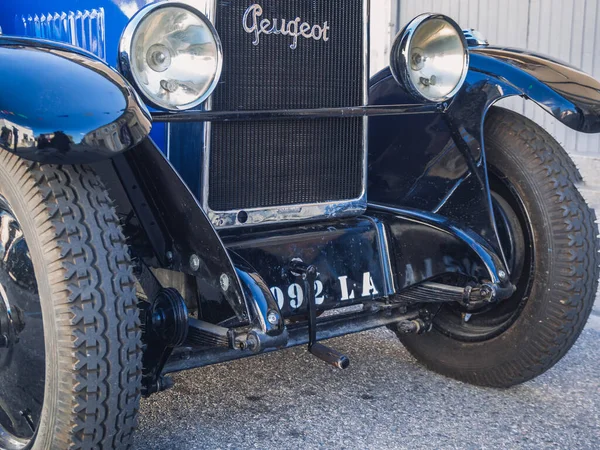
x,y
385,399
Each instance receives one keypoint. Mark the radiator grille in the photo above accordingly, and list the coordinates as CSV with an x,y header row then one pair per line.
x,y
84,29
286,169
272,163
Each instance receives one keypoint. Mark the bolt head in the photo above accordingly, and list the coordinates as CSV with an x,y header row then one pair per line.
x,y
502,274
169,256
485,291
194,262
224,282
252,342
273,317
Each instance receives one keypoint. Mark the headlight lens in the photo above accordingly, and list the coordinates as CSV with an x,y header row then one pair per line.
x,y
172,54
430,57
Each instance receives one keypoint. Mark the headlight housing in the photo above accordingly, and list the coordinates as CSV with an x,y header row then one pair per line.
x,y
172,54
430,57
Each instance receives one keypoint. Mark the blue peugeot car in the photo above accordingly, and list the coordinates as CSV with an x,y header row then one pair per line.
x,y
184,183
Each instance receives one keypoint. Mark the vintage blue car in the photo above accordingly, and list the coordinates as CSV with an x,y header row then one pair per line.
x,y
278,183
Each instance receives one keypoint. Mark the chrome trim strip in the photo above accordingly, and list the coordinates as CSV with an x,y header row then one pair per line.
x,y
301,212
288,213
475,38
209,9
168,135
85,29
206,160
211,13
366,77
388,273
298,114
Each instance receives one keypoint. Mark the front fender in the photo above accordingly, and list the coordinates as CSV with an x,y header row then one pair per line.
x,y
570,95
436,162
62,105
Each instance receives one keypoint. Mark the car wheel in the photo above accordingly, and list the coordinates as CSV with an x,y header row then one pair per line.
x,y
549,236
70,348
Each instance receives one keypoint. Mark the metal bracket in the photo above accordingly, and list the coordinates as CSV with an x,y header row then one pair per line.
x,y
329,355
164,325
268,328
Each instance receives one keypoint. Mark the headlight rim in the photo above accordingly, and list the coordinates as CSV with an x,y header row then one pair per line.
x,y
399,63
125,53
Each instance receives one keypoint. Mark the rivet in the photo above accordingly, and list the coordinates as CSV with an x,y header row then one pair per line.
x,y
194,262
273,317
224,282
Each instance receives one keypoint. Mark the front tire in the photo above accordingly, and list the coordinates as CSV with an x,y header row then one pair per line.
x,y
557,261
84,289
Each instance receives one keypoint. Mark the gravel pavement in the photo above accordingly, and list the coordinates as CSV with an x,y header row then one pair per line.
x,y
385,399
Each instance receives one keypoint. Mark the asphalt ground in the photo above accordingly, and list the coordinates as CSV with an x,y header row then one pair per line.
x,y
385,400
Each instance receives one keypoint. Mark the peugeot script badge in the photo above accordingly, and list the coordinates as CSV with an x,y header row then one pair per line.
x,y
294,28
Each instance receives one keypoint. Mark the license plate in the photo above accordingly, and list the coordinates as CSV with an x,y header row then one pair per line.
x,y
349,260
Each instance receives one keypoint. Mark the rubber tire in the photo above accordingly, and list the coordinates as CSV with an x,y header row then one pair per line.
x,y
565,264
89,306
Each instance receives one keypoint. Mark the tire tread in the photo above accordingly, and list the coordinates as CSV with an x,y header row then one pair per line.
x,y
93,290
574,271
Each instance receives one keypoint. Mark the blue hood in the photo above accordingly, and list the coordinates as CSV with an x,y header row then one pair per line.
x,y
94,25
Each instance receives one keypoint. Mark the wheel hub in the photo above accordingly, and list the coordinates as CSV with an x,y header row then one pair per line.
x,y
487,321
12,321
5,326
22,349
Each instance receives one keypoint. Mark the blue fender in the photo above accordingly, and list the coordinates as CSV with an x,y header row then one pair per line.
x,y
569,94
62,105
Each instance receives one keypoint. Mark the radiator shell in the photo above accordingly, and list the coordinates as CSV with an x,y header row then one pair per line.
x,y
288,169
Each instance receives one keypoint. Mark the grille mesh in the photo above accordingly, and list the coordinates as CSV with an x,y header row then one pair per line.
x,y
286,168
272,163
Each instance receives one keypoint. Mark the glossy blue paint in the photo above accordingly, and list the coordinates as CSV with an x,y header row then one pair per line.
x,y
84,29
115,17
71,24
79,111
569,94
426,172
432,162
186,148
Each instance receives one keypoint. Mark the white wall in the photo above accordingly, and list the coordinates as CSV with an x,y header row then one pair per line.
x,y
383,29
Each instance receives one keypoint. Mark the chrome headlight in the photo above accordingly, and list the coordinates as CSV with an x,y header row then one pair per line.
x,y
172,54
430,57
